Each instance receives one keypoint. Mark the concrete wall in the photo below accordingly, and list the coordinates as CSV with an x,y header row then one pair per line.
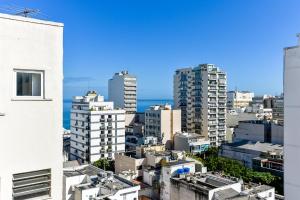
x,y
32,128
277,132
116,91
291,122
249,131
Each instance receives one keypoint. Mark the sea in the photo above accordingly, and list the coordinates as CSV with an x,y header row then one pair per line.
x,y
142,104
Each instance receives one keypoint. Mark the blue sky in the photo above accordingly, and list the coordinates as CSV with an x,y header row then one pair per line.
x,y
152,38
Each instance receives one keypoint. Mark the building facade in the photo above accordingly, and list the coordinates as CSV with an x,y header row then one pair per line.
x,y
190,142
239,99
97,129
278,110
291,121
200,93
163,122
122,90
31,71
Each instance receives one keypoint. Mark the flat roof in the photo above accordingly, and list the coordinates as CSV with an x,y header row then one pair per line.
x,y
29,20
256,146
89,170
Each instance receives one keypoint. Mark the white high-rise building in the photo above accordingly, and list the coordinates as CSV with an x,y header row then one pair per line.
x,y
291,122
31,80
163,122
200,93
122,91
97,129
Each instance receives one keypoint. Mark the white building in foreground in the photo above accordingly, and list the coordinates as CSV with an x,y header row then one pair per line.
x,y
31,80
291,121
87,182
97,129
122,89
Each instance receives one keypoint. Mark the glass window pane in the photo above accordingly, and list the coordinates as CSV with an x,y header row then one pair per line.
x,y
36,84
28,84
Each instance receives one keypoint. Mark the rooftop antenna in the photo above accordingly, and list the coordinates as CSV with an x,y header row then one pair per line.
x,y
26,12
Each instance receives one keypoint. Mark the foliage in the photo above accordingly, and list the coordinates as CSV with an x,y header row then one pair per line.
x,y
231,167
105,164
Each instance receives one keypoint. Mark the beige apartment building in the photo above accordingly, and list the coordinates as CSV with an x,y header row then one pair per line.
x,y
162,122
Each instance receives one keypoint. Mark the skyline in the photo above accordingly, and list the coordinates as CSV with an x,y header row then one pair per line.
x,y
131,36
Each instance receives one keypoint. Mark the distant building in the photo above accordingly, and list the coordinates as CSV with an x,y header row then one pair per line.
x,y
87,182
278,110
200,93
122,90
291,121
190,142
239,99
66,144
31,85
97,129
208,186
259,130
163,122
255,155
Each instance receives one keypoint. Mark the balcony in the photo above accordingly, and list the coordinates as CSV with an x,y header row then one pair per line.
x,y
102,120
109,127
109,120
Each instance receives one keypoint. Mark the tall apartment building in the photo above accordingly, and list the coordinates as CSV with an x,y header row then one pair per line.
x,y
200,93
291,121
278,109
122,91
97,129
239,99
162,122
31,71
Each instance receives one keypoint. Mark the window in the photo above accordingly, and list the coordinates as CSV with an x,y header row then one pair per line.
x,y
29,83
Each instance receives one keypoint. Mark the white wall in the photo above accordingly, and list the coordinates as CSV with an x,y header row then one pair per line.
x,y
291,122
32,129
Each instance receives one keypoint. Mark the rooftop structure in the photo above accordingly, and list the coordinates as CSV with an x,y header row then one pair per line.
x,y
262,156
190,142
89,181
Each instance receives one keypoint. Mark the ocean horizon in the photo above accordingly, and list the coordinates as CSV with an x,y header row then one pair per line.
x,y
142,105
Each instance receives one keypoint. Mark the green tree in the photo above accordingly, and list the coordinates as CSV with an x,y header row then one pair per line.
x,y
104,164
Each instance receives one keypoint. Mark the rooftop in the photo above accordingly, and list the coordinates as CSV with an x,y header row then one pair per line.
x,y
29,20
205,181
257,146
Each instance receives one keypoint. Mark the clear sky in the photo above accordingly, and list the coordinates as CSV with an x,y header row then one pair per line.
x,y
152,38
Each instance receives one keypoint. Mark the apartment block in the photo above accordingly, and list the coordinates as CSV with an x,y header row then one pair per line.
x,y
200,93
97,129
122,90
31,82
163,122
239,99
278,110
291,121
